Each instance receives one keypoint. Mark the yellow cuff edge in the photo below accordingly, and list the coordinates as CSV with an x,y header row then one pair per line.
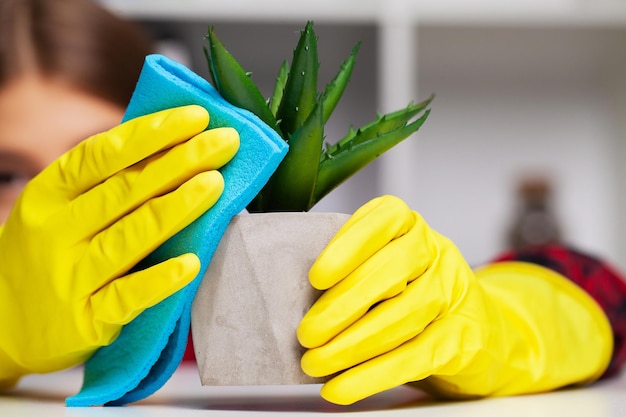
x,y
526,270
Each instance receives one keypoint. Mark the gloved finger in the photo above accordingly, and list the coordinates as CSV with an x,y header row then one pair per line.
x,y
125,298
440,349
446,280
116,249
382,276
155,176
382,329
370,228
102,155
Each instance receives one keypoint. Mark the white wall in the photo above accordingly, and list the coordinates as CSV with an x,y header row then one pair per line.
x,y
476,146
511,101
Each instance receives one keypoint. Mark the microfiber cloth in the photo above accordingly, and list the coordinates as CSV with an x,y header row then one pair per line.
x,y
150,348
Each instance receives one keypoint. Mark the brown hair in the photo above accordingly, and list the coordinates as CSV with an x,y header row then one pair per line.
x,y
74,41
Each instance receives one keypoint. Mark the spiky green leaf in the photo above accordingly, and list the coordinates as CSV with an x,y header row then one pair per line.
x,y
300,93
352,158
279,87
233,82
291,187
382,124
334,90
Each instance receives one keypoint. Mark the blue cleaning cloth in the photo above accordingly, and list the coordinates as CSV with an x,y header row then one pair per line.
x,y
150,348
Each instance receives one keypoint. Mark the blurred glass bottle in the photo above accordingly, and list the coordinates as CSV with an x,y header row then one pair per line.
x,y
534,223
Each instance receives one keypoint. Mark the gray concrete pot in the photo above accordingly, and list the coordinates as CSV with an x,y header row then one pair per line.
x,y
254,293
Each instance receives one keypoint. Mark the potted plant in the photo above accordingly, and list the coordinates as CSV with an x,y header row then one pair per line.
x,y
245,315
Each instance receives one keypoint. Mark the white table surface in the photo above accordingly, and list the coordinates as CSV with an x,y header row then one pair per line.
x,y
43,395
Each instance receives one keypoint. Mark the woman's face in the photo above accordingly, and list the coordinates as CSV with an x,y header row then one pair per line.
x,y
40,119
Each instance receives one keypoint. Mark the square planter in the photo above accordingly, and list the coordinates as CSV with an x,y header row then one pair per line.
x,y
254,293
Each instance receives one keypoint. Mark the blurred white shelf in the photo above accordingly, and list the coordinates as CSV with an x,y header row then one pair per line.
x,y
530,12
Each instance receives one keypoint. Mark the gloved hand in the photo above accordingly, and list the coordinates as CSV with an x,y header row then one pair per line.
x,y
401,305
86,220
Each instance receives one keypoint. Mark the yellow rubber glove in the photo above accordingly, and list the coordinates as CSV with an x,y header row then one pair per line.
x,y
89,217
401,305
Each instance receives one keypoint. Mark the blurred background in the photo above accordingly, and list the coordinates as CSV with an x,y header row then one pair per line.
x,y
527,135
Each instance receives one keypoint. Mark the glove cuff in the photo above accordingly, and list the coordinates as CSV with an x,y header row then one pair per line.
x,y
567,327
599,279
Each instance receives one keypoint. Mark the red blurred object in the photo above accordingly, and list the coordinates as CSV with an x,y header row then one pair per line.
x,y
190,355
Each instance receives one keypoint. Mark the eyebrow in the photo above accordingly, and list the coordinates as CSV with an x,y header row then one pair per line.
x,y
12,159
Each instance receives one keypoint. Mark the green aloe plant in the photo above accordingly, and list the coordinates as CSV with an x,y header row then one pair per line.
x,y
298,112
